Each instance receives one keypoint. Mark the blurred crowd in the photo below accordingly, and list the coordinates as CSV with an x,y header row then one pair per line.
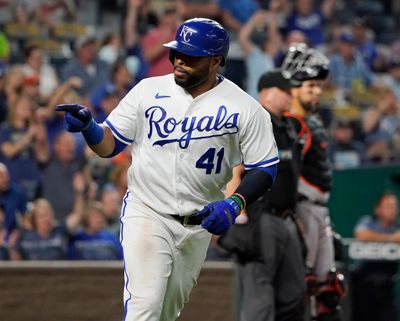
x,y
58,201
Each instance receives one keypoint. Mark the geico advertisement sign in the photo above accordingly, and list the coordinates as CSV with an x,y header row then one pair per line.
x,y
374,251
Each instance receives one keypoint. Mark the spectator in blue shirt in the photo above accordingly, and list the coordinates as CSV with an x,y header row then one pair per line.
x,y
309,19
46,240
8,239
94,241
374,281
365,46
234,15
347,69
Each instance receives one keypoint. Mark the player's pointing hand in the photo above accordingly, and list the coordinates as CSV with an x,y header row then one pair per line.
x,y
77,117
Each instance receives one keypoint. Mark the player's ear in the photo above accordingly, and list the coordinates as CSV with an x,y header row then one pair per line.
x,y
216,61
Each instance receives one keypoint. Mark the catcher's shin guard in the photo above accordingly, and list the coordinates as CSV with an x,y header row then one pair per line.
x,y
311,282
328,296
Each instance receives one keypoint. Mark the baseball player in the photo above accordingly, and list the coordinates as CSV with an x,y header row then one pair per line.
x,y
325,284
188,130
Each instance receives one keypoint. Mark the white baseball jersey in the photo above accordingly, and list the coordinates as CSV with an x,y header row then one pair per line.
x,y
184,148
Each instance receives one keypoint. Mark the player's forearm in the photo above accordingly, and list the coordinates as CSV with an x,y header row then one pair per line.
x,y
256,183
235,181
368,235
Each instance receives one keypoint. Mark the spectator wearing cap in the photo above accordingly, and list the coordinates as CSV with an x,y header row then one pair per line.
x,y
345,151
362,38
268,249
36,67
347,67
87,66
105,98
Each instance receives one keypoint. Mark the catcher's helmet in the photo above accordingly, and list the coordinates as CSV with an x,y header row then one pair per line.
x,y
305,63
200,37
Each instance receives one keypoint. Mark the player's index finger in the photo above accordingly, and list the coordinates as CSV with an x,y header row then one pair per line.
x,y
68,107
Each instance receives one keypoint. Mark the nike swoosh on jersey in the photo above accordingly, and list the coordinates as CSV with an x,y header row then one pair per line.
x,y
158,96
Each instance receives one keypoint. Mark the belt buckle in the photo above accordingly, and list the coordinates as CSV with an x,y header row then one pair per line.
x,y
185,220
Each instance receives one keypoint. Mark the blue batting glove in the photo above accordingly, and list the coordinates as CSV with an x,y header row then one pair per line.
x,y
219,216
76,118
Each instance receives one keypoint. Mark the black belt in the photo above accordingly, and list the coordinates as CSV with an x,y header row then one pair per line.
x,y
188,220
282,213
302,197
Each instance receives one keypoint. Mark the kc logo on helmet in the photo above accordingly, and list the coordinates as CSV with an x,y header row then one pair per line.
x,y
186,33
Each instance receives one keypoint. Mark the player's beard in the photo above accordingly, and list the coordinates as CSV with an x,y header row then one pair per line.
x,y
308,106
193,80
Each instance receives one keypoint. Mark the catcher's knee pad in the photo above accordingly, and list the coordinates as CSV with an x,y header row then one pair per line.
x,y
328,296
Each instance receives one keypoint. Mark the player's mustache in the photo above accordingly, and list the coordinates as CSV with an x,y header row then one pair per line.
x,y
180,69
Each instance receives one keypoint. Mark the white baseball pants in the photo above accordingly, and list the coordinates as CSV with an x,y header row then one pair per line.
x,y
162,261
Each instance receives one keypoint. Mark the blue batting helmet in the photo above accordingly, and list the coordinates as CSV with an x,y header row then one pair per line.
x,y
200,37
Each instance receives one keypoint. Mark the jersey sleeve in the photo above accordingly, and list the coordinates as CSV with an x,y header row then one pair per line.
x,y
257,142
123,119
365,223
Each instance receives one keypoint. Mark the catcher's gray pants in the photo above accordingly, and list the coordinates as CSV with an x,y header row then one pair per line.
x,y
272,289
318,236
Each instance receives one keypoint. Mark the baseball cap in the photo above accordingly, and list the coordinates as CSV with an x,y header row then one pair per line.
x,y
277,78
346,37
84,40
